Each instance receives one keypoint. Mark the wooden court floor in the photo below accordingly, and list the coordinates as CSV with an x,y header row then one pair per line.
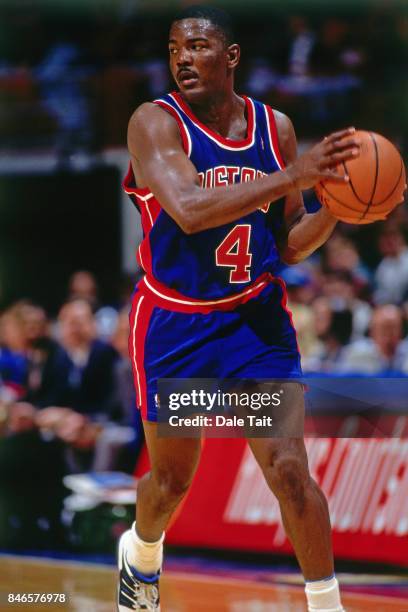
x,y
91,588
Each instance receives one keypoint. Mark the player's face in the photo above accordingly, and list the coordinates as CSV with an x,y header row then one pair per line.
x,y
200,61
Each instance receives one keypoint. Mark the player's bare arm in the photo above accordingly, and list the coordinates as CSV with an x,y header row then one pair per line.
x,y
160,162
303,233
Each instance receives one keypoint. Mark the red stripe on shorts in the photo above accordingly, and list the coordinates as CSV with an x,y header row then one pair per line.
x,y
140,314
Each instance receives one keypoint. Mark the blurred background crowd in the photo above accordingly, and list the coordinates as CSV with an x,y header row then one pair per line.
x,y
69,81
71,77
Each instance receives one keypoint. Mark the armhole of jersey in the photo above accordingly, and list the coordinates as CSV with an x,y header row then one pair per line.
x,y
273,136
143,193
184,133
129,178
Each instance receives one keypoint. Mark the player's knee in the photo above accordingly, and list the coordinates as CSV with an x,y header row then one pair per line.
x,y
289,478
171,486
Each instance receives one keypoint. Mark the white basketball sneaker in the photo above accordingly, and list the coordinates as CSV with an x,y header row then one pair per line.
x,y
135,590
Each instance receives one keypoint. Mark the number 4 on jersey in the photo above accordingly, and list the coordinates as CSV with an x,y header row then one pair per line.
x,y
233,252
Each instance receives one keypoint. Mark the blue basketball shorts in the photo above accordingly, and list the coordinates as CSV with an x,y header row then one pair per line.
x,y
249,335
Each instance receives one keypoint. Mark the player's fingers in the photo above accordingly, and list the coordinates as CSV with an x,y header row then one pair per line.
x,y
331,175
340,134
340,145
337,158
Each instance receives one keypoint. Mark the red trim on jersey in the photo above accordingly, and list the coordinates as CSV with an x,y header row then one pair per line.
x,y
129,184
225,141
274,135
140,314
284,304
144,255
169,299
185,139
149,209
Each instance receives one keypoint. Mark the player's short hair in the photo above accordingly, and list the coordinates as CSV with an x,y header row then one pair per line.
x,y
219,18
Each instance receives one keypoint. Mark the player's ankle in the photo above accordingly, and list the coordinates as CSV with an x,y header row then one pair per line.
x,y
146,557
323,595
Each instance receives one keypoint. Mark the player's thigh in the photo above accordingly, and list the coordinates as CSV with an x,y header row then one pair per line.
x,y
171,458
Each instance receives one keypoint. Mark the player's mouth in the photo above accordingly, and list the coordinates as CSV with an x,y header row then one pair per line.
x,y
187,78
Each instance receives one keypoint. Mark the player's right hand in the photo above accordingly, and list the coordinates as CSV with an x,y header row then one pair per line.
x,y
319,162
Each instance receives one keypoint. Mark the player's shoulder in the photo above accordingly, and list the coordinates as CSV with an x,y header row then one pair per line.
x,y
286,133
151,123
150,113
283,123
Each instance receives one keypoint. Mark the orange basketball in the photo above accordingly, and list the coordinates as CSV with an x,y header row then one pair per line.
x,y
377,182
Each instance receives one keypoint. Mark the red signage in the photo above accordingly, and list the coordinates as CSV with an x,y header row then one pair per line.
x,y
365,481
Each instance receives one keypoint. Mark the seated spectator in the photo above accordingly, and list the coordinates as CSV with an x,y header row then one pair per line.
x,y
76,387
90,361
301,288
341,255
83,285
391,276
29,365
87,396
13,361
301,284
341,290
333,327
384,352
46,359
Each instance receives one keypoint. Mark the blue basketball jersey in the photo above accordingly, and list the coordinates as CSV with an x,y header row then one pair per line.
x,y
222,261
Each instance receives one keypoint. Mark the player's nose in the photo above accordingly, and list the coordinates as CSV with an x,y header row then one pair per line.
x,y
184,56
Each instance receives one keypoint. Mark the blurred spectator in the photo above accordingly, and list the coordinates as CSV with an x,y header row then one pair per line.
x,y
341,254
303,40
308,342
391,276
83,418
47,361
60,76
384,352
13,361
301,289
83,402
83,285
13,330
301,284
334,52
90,374
339,287
333,327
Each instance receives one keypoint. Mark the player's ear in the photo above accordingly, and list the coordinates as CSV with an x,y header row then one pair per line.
x,y
233,55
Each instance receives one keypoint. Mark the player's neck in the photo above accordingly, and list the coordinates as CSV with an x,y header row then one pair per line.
x,y
224,114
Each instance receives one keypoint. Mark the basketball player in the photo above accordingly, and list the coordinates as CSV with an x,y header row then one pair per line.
x,y
208,167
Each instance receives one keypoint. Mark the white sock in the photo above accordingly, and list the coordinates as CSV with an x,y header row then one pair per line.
x,y
324,595
146,557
